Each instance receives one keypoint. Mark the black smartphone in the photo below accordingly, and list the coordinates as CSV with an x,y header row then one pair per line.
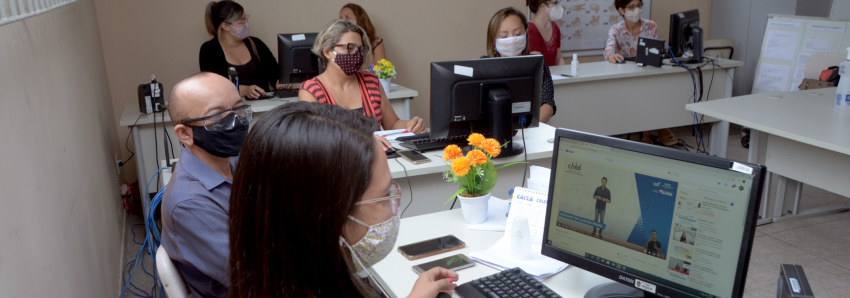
x,y
454,263
413,157
431,247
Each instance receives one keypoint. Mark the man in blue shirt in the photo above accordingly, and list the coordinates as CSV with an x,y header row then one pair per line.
x,y
603,197
211,123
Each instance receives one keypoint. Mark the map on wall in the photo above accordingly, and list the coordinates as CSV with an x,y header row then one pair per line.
x,y
585,23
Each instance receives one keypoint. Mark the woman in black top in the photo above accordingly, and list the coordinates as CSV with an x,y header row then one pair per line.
x,y
506,37
232,47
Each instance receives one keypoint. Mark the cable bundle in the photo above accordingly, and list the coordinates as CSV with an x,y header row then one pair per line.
x,y
151,243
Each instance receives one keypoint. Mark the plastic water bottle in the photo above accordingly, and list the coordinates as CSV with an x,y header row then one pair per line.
x,y
842,93
574,66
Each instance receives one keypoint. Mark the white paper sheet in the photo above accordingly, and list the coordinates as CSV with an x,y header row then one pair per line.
x,y
772,77
799,73
538,179
780,45
557,77
803,58
497,216
816,45
391,135
827,27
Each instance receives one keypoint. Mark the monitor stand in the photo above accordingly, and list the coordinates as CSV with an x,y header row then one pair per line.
x,y
499,121
616,290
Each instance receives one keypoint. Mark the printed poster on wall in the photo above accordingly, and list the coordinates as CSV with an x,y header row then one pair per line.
x,y
585,23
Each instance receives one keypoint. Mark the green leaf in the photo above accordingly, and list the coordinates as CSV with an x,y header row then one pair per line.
x,y
489,179
453,196
510,164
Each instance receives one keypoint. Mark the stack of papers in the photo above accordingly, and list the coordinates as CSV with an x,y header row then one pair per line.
x,y
391,135
530,204
538,179
497,216
499,257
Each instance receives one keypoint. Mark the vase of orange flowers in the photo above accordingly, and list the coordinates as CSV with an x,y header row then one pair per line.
x,y
475,175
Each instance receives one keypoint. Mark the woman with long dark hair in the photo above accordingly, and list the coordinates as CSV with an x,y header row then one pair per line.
x,y
313,203
356,14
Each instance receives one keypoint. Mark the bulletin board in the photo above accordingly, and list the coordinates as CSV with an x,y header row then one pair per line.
x,y
788,43
585,23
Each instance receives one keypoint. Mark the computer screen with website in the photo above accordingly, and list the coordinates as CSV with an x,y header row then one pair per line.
x,y
660,221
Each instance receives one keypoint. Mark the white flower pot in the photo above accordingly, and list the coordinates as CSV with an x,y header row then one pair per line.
x,y
386,83
474,209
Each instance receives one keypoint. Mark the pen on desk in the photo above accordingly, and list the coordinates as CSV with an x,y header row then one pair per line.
x,y
395,133
566,75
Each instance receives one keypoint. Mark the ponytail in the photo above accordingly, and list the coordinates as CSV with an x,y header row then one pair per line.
x,y
224,11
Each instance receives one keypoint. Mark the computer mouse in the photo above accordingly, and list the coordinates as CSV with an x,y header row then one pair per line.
x,y
443,295
390,151
621,61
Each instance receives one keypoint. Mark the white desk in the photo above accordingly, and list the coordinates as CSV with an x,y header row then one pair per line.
x,y
430,190
397,277
799,137
142,126
611,99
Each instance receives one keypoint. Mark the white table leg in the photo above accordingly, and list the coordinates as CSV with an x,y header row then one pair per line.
x,y
787,202
140,168
756,155
719,139
407,108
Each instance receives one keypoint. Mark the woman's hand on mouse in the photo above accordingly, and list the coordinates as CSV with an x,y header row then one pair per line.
x,y
615,57
251,91
430,283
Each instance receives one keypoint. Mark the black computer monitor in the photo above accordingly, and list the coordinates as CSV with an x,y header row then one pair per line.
x,y
686,35
494,97
297,61
701,211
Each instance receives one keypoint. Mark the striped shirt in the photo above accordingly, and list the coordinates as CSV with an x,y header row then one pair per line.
x,y
369,93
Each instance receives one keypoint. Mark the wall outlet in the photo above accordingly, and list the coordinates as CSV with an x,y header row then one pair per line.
x,y
118,164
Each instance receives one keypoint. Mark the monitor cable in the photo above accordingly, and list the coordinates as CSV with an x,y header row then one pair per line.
x,y
407,177
127,143
694,81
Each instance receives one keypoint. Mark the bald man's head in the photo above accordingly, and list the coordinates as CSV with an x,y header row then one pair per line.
x,y
201,95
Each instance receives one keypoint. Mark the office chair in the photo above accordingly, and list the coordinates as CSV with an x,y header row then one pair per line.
x,y
169,277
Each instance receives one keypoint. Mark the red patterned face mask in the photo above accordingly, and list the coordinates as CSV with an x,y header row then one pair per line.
x,y
349,63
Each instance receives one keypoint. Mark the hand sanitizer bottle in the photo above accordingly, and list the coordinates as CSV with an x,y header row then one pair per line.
x,y
520,239
574,66
842,93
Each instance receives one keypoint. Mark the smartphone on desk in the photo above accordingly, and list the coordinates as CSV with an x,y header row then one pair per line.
x,y
431,247
413,157
454,263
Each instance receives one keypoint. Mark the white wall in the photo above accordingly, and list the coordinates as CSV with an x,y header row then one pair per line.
x,y
745,21
61,216
840,9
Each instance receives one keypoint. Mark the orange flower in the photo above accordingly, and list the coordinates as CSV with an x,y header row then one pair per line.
x,y
475,139
492,147
460,166
452,152
476,157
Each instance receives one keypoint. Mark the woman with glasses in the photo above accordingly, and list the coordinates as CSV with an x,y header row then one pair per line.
x,y
354,13
231,46
544,36
343,47
313,204
623,36
622,43
507,37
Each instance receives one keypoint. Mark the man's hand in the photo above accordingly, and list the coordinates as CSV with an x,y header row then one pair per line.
x,y
597,197
432,282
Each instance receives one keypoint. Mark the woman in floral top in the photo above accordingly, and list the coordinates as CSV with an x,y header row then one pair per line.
x,y
622,43
622,37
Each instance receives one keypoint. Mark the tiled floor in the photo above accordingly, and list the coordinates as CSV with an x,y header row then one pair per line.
x,y
820,244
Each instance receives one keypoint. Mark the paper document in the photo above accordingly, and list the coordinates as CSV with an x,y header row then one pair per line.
x,y
816,45
538,179
772,77
497,216
803,58
780,45
532,205
557,77
799,73
391,135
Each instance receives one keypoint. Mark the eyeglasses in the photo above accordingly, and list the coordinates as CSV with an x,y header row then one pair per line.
x,y
552,3
240,21
221,122
634,6
392,201
353,48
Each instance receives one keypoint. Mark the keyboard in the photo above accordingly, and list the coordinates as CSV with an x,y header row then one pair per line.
x,y
423,142
287,93
509,283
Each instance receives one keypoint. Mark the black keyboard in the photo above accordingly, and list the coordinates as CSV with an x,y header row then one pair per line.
x,y
287,93
509,283
426,143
